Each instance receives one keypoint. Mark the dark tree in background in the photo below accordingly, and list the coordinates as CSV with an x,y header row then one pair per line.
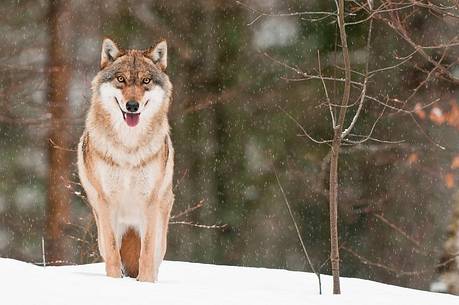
x,y
59,75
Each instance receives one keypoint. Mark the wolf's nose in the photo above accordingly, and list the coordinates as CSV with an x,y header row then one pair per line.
x,y
132,106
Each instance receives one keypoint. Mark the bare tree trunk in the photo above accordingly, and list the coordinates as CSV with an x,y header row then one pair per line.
x,y
334,247
57,213
336,145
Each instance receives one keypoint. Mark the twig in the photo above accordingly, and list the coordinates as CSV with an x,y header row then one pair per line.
x,y
421,84
396,271
263,14
298,232
332,115
69,185
364,89
200,204
179,181
60,147
398,229
403,61
305,75
369,136
398,109
54,263
368,262
198,225
378,11
396,25
302,128
425,133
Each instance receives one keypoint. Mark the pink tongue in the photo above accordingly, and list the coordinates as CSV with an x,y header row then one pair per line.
x,y
132,119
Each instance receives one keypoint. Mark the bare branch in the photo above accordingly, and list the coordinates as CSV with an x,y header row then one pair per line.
x,y
60,147
179,181
199,205
421,84
378,11
396,271
332,115
302,129
425,133
264,14
397,229
347,66
368,137
298,231
364,89
399,28
306,76
404,60
397,109
198,225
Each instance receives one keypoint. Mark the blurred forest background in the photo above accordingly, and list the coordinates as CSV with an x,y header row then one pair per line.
x,y
235,119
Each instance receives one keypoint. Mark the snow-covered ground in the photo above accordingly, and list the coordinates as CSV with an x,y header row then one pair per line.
x,y
191,283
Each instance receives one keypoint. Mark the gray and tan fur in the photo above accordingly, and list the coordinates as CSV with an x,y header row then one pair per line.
x,y
126,159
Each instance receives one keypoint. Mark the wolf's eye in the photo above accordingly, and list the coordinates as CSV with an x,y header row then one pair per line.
x,y
146,80
120,79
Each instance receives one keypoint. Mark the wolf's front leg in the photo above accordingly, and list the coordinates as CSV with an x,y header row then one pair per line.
x,y
151,251
166,213
111,252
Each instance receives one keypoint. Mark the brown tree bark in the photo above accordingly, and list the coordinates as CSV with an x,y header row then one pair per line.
x,y
333,201
57,214
336,145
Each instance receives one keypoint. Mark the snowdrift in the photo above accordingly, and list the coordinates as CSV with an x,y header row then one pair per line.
x,y
192,283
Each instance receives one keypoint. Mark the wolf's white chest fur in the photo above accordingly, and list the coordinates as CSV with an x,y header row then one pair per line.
x,y
129,191
129,186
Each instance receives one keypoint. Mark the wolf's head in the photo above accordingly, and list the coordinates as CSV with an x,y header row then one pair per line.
x,y
132,87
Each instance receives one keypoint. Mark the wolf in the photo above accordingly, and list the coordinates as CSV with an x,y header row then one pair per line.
x,y
126,159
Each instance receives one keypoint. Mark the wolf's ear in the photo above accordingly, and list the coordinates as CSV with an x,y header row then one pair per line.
x,y
158,54
109,52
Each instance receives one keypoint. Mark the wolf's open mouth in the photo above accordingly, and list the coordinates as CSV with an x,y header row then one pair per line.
x,y
131,119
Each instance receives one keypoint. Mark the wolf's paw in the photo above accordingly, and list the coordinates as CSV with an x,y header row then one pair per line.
x,y
147,278
113,271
